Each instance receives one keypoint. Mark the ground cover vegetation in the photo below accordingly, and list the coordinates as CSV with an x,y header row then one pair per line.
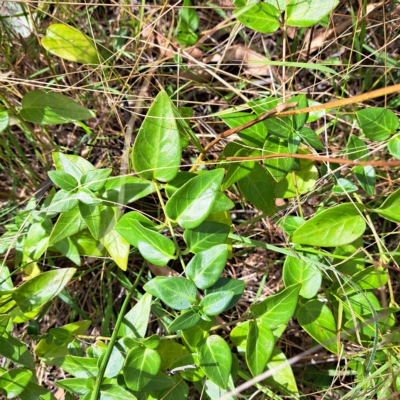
x,y
199,200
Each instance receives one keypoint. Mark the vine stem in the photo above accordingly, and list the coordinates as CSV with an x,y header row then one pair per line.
x,y
103,365
281,111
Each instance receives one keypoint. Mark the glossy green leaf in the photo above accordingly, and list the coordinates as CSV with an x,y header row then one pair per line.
x,y
70,44
215,359
42,288
216,303
296,270
390,209
156,152
258,189
180,179
277,309
186,320
377,123
14,381
126,189
114,364
117,247
259,345
191,204
68,224
318,321
303,179
189,16
310,138
63,201
94,180
300,119
369,278
176,292
16,351
356,149
73,385
80,367
253,136
190,374
308,12
235,286
63,180
365,175
86,196
262,17
237,170
394,147
88,246
290,223
153,246
205,268
140,367
279,167
50,108
344,186
336,226
71,164
4,119
221,203
353,264
283,378
4,320
134,323
34,391
115,392
206,235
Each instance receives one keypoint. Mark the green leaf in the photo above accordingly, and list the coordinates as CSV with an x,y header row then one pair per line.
x,y
215,359
87,197
34,392
351,251
290,223
296,270
283,378
14,381
80,367
140,367
237,170
134,323
189,16
16,351
42,288
277,309
71,164
221,203
153,246
68,224
365,175
377,123
157,150
216,303
344,186
63,201
310,138
207,234
4,119
318,321
390,209
180,179
308,12
186,320
259,345
336,226
191,204
262,17
50,108
73,385
115,392
117,247
70,44
114,364
176,292
227,284
99,219
394,147
304,180
279,167
253,136
356,149
258,189
94,180
63,180
205,268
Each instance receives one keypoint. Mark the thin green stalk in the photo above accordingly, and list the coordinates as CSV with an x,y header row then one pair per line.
x,y
103,366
